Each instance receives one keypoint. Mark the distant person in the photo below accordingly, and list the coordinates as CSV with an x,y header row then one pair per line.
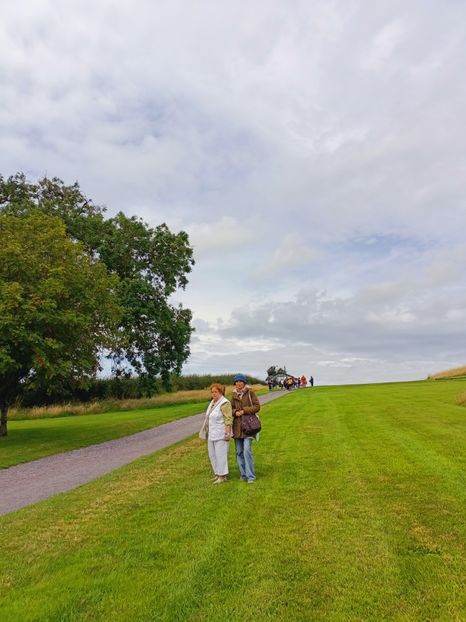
x,y
217,430
244,402
311,381
303,381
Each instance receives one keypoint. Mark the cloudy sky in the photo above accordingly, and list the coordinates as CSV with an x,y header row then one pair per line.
x,y
315,151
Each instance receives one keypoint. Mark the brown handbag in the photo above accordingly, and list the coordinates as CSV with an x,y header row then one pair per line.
x,y
250,424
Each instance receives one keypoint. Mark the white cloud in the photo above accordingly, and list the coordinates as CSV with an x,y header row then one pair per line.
x,y
384,44
217,236
290,253
331,135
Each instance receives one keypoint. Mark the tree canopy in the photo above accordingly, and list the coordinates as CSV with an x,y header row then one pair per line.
x,y
58,307
274,370
150,263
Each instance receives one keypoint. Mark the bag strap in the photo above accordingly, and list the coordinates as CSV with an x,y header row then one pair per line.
x,y
250,401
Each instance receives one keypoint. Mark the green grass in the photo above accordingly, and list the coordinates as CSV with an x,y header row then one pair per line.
x,y
30,439
357,514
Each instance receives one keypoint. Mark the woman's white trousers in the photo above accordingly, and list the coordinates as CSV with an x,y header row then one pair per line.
x,y
218,454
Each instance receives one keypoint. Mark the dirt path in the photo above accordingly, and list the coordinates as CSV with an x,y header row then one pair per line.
x,y
34,481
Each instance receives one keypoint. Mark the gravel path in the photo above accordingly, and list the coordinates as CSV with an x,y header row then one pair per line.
x,y
34,481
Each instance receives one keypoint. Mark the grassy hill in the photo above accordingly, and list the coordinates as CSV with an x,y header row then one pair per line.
x,y
357,514
456,372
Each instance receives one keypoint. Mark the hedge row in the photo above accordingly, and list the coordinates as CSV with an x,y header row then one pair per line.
x,y
123,388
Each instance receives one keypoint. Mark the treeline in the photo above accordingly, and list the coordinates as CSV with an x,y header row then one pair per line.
x,y
122,388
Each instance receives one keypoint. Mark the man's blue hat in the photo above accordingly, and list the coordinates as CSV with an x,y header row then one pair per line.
x,y
240,378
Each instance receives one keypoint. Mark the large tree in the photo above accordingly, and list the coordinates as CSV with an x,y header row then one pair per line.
x,y
58,307
151,263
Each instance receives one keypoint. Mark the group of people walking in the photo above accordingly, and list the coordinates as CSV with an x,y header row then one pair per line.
x,y
293,382
223,421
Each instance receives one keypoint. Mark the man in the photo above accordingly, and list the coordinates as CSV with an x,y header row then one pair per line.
x,y
243,402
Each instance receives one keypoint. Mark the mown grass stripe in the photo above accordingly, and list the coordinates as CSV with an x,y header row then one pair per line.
x,y
351,519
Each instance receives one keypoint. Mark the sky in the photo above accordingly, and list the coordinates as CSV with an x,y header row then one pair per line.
x,y
315,152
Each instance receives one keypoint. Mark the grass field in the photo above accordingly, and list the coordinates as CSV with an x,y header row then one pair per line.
x,y
358,514
39,436
31,439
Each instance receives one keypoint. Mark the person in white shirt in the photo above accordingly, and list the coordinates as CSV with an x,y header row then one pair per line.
x,y
217,429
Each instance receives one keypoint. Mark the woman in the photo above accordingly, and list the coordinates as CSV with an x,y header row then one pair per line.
x,y
217,430
244,401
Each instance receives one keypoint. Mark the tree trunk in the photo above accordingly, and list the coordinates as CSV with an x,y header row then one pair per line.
x,y
3,417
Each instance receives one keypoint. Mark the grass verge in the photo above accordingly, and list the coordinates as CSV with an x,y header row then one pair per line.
x,y
357,514
31,439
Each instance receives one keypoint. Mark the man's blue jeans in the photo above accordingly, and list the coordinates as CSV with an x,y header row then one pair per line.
x,y
244,458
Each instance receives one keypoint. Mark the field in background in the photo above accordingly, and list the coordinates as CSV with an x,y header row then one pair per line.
x,y
457,372
357,514
121,388
115,405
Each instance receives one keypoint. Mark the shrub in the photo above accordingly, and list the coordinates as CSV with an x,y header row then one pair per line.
x,y
461,399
